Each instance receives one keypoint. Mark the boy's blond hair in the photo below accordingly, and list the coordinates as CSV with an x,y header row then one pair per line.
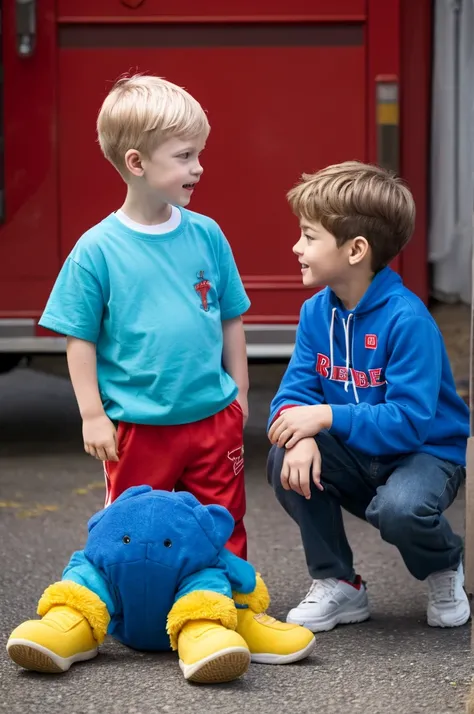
x,y
141,111
354,199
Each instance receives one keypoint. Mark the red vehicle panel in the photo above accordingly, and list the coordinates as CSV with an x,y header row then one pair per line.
x,y
289,87
202,10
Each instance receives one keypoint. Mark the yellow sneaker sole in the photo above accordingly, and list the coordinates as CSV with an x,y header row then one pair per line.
x,y
222,666
37,658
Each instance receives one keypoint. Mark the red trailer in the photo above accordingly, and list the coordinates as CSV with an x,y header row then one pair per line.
x,y
289,86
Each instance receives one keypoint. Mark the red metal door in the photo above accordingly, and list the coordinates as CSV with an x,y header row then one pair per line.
x,y
29,246
283,96
289,85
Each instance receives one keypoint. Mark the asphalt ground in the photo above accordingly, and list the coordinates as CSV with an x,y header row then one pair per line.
x,y
48,489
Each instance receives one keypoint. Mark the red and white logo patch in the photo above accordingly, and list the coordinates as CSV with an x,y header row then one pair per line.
x,y
202,288
371,342
237,458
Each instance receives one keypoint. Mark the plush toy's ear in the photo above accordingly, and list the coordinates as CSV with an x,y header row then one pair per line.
x,y
129,493
133,491
216,522
187,498
93,520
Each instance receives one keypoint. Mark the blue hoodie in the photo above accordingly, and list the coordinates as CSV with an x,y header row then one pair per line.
x,y
383,369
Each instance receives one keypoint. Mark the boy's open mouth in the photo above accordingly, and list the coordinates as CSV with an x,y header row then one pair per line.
x,y
189,186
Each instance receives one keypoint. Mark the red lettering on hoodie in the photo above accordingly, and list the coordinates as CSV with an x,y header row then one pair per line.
x,y
360,378
375,375
340,374
322,365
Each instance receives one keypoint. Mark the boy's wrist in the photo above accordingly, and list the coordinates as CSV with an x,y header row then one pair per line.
x,y
92,413
324,412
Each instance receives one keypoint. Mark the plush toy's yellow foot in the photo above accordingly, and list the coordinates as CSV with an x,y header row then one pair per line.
x,y
210,653
54,643
271,641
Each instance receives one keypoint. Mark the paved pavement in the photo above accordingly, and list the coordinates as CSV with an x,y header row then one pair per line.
x,y
48,488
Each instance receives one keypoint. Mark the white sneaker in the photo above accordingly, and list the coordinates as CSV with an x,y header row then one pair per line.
x,y
448,605
330,602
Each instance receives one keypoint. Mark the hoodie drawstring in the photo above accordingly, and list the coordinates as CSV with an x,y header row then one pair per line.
x,y
331,341
346,335
349,349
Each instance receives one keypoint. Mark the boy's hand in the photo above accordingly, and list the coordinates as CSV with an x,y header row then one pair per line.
x,y
299,422
244,405
297,465
100,438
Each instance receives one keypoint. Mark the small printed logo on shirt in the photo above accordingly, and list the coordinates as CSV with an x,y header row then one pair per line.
x,y
371,342
202,288
237,458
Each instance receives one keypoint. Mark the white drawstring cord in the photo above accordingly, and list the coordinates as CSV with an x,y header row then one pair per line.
x,y
331,341
346,333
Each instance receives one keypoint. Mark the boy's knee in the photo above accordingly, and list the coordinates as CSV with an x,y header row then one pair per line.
x,y
395,516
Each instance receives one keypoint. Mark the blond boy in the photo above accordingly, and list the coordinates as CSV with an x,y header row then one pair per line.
x,y
151,302
367,417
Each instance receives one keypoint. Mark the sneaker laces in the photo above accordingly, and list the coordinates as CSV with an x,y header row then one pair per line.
x,y
442,586
320,589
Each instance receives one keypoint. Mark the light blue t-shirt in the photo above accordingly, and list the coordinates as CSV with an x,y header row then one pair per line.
x,y
153,305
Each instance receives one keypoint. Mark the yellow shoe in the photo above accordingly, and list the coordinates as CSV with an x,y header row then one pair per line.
x,y
54,643
271,641
210,653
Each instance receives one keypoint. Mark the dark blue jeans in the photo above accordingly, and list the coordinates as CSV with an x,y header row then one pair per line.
x,y
404,497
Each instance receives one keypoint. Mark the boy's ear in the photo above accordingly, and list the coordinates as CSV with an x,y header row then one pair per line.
x,y
358,250
133,162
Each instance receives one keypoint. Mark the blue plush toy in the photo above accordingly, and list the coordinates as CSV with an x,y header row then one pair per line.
x,y
155,572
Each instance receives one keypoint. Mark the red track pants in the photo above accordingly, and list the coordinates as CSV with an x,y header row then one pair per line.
x,y
204,458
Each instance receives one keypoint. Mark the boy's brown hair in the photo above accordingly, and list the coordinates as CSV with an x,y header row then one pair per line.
x,y
355,199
